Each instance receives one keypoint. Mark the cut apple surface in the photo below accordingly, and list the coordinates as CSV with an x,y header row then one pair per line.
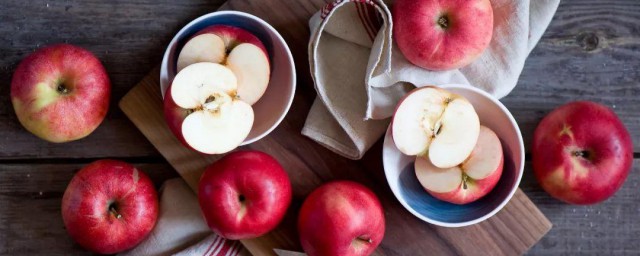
x,y
236,49
432,121
214,120
469,181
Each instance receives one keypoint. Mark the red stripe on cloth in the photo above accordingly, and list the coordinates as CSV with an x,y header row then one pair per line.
x,y
213,244
365,24
366,9
223,248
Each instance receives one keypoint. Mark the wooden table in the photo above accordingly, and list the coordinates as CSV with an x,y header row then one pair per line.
x,y
589,52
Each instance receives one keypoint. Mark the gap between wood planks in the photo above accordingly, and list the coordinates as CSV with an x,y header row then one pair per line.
x,y
133,160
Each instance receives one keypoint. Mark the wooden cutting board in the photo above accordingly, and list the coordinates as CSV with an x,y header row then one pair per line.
x,y
512,231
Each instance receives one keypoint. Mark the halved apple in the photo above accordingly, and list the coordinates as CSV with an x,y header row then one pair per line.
x,y
238,50
202,109
437,123
469,181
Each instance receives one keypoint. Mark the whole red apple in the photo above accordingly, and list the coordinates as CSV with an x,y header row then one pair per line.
x,y
244,195
582,153
341,218
442,34
60,93
109,206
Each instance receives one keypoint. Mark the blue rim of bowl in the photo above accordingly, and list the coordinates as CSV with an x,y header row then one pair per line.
x,y
513,189
174,41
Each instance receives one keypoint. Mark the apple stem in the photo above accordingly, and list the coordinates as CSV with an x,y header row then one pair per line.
x,y
114,212
443,21
367,240
464,181
62,89
581,153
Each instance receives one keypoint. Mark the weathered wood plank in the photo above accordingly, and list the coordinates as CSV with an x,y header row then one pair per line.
x,y
611,227
30,198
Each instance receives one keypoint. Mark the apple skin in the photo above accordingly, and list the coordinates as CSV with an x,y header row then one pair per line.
x,y
427,43
58,116
174,115
475,190
244,195
586,128
234,35
87,202
341,218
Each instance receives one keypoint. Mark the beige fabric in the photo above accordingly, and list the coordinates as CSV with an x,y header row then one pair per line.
x,y
181,229
360,78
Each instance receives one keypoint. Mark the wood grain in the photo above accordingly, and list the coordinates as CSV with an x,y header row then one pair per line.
x,y
512,231
130,36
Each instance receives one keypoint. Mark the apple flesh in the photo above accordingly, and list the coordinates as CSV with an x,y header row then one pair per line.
x,y
202,110
582,153
438,123
244,195
60,93
341,218
109,207
442,34
472,179
236,49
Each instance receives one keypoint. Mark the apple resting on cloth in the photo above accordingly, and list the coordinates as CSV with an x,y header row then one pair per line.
x,y
60,93
235,48
582,153
109,207
202,110
442,34
341,218
437,123
470,180
244,195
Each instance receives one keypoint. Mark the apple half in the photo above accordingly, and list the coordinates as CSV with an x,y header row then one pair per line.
x,y
468,181
238,50
202,109
437,123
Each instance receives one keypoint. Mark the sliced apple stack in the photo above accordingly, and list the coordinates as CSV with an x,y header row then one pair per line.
x,y
203,111
469,181
238,50
457,159
435,122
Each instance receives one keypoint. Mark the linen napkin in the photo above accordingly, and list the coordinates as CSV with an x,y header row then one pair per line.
x,y
180,229
360,75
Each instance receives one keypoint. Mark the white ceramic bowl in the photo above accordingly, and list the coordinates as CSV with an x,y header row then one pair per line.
x,y
271,109
401,176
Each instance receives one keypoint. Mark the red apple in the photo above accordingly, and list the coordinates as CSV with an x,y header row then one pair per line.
x,y
442,34
582,153
341,218
244,195
238,50
60,93
469,181
202,110
109,207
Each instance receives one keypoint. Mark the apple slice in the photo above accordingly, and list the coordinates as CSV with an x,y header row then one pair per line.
x,y
236,49
469,181
438,123
216,121
202,48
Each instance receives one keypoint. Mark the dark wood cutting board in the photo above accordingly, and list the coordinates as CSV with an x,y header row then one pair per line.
x,y
512,231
